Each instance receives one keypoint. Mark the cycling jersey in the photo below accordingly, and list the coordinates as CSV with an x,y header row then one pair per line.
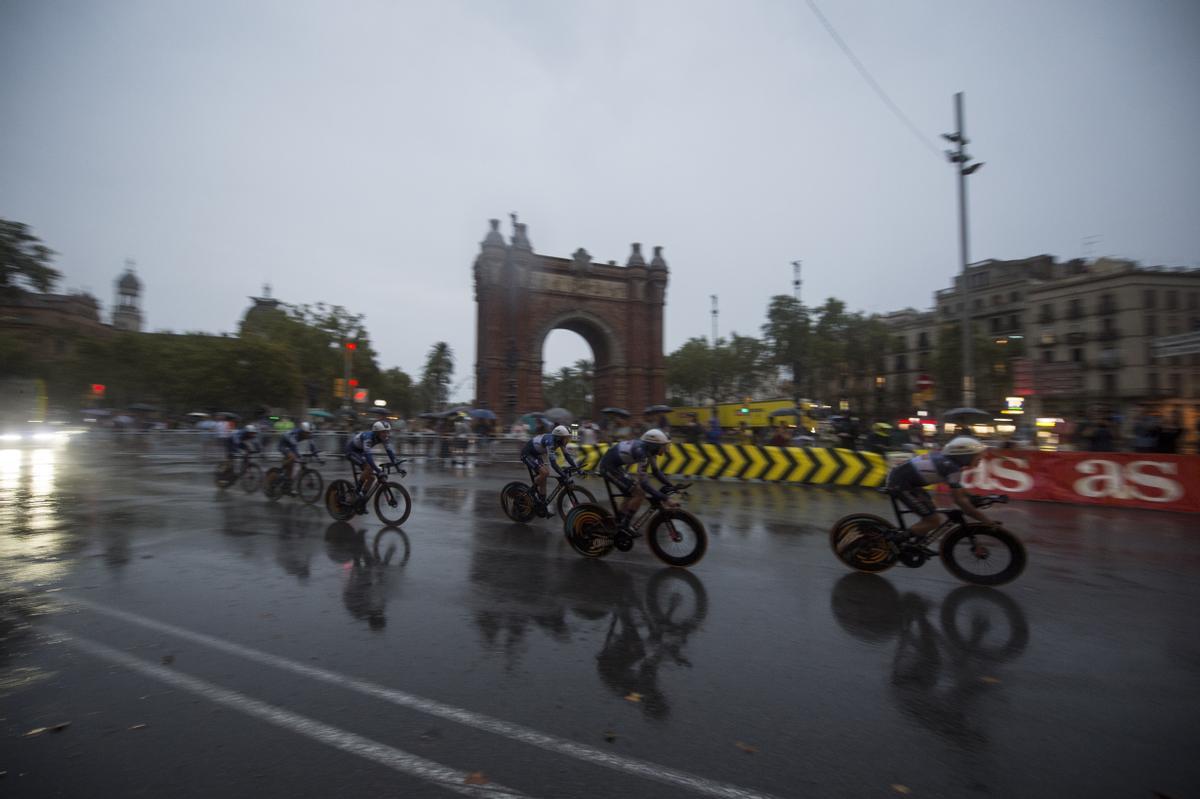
x,y
540,448
289,442
619,458
908,480
241,441
358,449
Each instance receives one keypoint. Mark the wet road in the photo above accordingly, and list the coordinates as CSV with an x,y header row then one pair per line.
x,y
205,643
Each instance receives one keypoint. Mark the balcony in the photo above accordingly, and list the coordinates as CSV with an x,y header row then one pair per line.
x,y
1045,318
1077,337
1108,362
1109,334
1107,307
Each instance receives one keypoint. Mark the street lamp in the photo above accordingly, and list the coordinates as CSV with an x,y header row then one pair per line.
x,y
961,160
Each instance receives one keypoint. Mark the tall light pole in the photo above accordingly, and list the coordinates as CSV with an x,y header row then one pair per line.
x,y
962,164
713,364
796,333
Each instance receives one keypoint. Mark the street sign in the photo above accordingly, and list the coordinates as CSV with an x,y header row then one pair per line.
x,y
924,383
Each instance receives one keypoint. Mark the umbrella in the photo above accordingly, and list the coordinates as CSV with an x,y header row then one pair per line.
x,y
559,415
427,415
320,414
481,413
229,415
785,412
615,411
198,415
956,413
379,411
141,406
657,409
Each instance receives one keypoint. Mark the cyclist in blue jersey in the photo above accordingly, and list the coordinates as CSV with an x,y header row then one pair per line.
x,y
358,452
644,453
908,481
244,440
289,448
540,449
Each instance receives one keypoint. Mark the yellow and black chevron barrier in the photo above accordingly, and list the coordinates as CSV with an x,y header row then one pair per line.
x,y
809,465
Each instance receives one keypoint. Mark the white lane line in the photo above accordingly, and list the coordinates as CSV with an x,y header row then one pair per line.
x,y
396,759
506,729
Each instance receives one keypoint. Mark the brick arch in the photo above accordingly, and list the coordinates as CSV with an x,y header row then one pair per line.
x,y
521,296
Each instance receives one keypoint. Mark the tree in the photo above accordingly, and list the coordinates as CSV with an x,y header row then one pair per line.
x,y
571,388
436,376
786,336
24,259
396,387
729,371
993,374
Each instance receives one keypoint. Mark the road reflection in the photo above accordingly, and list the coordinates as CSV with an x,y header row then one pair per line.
x,y
945,666
369,565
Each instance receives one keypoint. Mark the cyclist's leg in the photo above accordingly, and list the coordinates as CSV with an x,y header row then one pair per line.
x,y
919,502
368,473
539,481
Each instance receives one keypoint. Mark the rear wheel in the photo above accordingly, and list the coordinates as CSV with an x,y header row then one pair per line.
x,y
860,541
339,500
983,555
677,537
676,599
273,484
251,478
225,475
572,497
392,504
517,502
589,529
311,486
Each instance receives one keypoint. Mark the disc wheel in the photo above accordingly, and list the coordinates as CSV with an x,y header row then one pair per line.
x,y
573,497
339,500
677,537
589,529
860,541
311,486
273,484
392,504
983,555
517,502
251,478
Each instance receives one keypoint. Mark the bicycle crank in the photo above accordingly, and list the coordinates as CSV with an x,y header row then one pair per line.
x,y
914,557
623,541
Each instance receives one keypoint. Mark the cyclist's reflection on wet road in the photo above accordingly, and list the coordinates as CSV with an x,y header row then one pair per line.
x,y
940,671
368,563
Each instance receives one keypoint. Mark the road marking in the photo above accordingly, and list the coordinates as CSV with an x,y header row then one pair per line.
x,y
395,759
506,729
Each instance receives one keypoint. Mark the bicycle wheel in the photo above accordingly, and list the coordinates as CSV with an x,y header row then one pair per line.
x,y
677,537
251,478
392,504
983,555
860,541
517,503
985,623
225,475
589,529
391,547
311,486
339,500
676,600
273,484
572,497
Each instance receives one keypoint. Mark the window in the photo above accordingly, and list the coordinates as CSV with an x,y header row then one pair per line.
x,y
1107,304
1013,296
1151,325
1110,384
1176,385
923,341
1152,379
1077,355
1047,314
945,310
1075,310
901,363
1172,300
1148,298
1014,322
995,324
1193,300
1047,356
977,304
1172,322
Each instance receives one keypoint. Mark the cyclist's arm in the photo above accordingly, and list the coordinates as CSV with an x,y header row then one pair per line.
x,y
963,500
391,452
570,461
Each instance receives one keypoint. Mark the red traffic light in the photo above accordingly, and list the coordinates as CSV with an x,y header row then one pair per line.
x,y
360,396
353,382
98,389
350,345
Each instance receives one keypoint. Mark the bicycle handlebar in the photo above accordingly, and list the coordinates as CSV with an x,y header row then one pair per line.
x,y
988,500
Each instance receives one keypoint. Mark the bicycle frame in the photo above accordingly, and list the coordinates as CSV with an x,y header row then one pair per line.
x,y
635,524
379,481
954,518
563,482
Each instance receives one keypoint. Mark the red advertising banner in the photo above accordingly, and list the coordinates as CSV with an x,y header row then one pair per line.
x,y
1118,479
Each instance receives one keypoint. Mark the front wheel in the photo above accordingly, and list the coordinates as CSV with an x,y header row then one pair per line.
x,y
590,529
340,499
392,504
225,475
311,486
983,555
251,478
517,502
273,484
572,497
860,541
677,537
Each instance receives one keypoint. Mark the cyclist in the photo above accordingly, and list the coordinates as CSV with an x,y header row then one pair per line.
x,y
880,438
244,440
358,452
908,481
540,449
289,448
644,452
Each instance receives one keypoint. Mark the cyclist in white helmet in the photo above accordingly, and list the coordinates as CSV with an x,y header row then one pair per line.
x,y
644,453
289,447
540,449
243,440
358,452
908,481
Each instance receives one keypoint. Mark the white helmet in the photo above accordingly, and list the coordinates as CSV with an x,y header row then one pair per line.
x,y
655,436
561,432
381,426
964,445
305,427
250,428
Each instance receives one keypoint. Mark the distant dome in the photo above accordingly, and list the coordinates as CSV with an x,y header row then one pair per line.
x,y
129,284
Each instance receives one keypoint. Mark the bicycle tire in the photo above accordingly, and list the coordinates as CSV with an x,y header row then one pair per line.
x,y
668,591
399,510
967,623
385,554
518,505
251,478
312,484
273,483
870,551
952,550
225,475
669,520
339,500
576,496
589,529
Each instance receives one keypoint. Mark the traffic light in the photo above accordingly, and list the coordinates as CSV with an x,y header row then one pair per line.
x,y
744,410
353,382
361,395
350,345
98,390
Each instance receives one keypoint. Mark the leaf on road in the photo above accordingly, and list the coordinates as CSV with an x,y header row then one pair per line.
x,y
989,680
633,697
610,736
52,728
475,778
898,788
139,726
745,747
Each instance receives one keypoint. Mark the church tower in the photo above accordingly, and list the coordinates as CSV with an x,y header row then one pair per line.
x,y
127,313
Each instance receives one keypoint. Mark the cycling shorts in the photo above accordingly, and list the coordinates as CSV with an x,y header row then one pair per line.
x,y
361,458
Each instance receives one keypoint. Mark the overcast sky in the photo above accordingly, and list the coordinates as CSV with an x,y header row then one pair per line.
x,y
353,152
